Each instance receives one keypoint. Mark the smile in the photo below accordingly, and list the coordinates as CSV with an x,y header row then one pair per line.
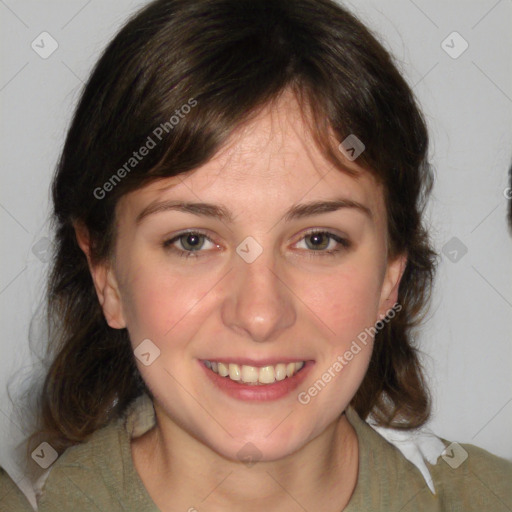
x,y
254,375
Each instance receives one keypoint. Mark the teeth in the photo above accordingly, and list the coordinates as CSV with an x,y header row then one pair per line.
x,y
253,374
267,375
234,372
223,370
250,374
280,371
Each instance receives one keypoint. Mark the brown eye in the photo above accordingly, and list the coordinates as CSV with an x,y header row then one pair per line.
x,y
317,241
192,241
188,243
324,243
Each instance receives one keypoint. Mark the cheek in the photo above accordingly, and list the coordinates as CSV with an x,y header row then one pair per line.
x,y
346,301
158,303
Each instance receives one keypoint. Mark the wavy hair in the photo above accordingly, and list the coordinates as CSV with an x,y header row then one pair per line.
x,y
232,57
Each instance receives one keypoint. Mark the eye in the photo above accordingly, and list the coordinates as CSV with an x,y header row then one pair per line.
x,y
324,243
191,242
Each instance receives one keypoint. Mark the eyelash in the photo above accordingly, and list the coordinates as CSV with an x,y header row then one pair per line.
x,y
346,244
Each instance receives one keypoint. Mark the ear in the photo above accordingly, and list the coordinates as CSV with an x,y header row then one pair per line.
x,y
389,294
104,280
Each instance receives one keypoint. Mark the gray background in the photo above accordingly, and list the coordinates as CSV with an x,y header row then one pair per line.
x,y
468,105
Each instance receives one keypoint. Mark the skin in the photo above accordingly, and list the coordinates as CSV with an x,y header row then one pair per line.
x,y
292,302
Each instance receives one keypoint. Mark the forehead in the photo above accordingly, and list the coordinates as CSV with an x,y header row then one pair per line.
x,y
269,161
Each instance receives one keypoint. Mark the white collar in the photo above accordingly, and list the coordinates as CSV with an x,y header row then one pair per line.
x,y
417,446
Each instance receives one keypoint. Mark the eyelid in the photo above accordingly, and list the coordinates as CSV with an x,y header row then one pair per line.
x,y
320,230
198,231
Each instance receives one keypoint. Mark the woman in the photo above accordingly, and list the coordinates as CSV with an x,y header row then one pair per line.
x,y
241,259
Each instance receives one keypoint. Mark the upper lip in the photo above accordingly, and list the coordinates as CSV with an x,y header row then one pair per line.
x,y
246,361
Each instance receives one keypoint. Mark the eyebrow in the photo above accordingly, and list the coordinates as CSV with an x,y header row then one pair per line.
x,y
223,214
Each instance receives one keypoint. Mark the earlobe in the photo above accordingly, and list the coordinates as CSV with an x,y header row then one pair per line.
x,y
391,284
105,283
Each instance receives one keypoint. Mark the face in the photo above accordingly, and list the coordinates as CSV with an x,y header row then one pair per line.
x,y
255,277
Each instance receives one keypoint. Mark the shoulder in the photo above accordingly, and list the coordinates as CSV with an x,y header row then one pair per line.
x,y
411,471
99,474
89,476
11,498
472,478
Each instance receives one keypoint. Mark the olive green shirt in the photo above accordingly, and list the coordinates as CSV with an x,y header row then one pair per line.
x,y
99,475
11,498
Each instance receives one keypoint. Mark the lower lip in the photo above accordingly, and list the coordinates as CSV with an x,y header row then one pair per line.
x,y
262,393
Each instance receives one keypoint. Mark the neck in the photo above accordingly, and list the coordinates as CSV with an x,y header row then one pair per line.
x,y
178,469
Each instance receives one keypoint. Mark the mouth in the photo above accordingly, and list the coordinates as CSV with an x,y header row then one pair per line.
x,y
255,375
256,380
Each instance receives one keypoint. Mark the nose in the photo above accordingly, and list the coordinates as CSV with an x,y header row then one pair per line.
x,y
258,303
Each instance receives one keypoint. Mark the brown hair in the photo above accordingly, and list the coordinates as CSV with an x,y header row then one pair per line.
x,y
231,57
